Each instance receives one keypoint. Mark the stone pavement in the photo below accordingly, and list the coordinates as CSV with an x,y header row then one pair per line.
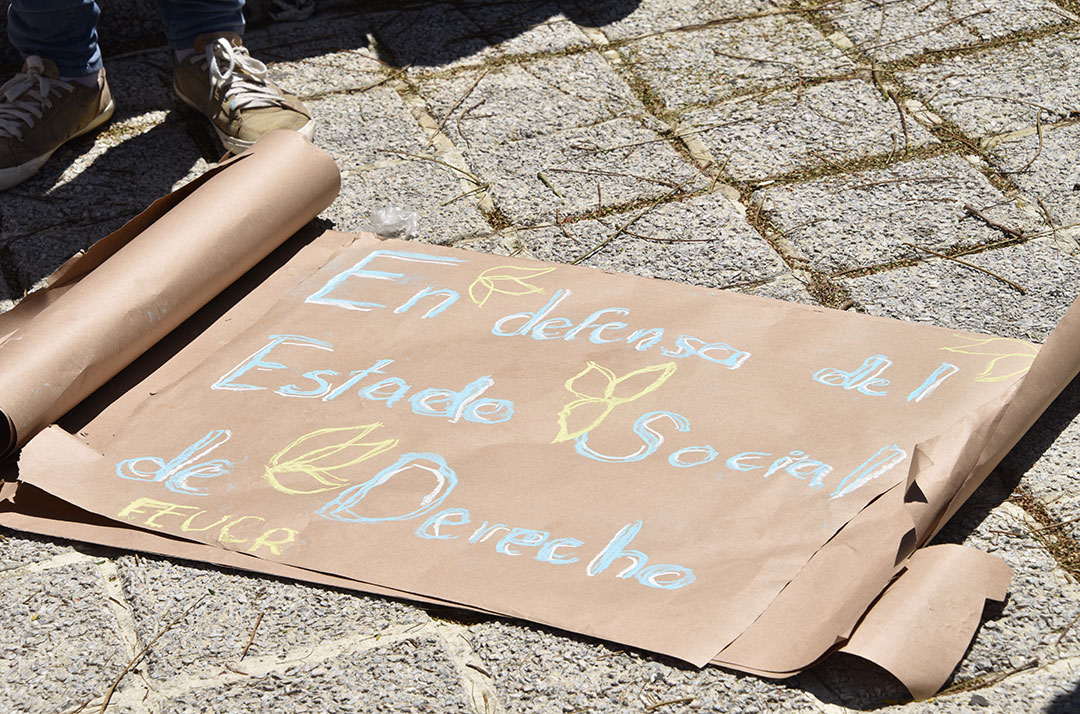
x,y
823,151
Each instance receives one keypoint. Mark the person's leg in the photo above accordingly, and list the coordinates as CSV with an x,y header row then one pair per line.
x,y
60,92
64,31
214,74
187,19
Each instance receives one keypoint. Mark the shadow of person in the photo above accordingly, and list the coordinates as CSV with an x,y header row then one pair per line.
x,y
90,187
1066,702
438,34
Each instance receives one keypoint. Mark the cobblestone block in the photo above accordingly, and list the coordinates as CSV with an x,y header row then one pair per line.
x,y
215,633
947,294
1003,89
701,67
19,549
537,671
360,129
433,191
703,241
58,641
1004,17
1048,169
786,287
866,219
650,16
410,676
784,131
610,164
894,30
311,68
562,93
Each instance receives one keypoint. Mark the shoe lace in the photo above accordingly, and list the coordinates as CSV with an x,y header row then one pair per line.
x,y
25,97
240,77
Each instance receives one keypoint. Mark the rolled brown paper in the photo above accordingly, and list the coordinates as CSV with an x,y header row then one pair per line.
x,y
158,279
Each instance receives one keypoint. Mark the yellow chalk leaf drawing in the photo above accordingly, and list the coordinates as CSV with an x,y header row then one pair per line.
x,y
507,280
314,470
599,391
1010,358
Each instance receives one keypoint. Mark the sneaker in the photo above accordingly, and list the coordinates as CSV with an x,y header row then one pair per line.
x,y
224,83
39,112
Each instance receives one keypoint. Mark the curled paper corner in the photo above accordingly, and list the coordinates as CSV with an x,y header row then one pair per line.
x,y
920,627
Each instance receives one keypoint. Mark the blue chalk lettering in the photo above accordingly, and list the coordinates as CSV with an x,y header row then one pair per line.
x,y
783,462
343,507
616,549
646,338
484,532
389,390
596,337
546,330
591,320
531,318
355,376
666,576
322,295
818,469
885,458
447,517
446,402
525,537
321,388
548,553
652,439
489,411
176,472
449,298
258,361
939,375
861,379
709,453
688,346
737,462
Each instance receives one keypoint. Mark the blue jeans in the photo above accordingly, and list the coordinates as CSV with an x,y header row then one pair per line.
x,y
65,31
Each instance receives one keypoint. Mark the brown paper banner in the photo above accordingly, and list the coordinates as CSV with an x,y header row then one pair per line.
x,y
673,468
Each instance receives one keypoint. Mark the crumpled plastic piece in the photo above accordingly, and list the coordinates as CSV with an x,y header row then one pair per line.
x,y
394,222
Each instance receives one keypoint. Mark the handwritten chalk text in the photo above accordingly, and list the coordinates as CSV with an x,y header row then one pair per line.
x,y
797,464
150,513
329,384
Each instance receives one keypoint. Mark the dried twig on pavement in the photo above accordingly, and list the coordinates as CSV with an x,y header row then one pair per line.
x,y
1007,230
258,621
969,265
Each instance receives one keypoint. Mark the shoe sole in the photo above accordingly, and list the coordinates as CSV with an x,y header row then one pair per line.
x,y
15,175
238,146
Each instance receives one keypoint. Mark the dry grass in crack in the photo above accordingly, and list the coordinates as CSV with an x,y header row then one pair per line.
x,y
968,265
1065,550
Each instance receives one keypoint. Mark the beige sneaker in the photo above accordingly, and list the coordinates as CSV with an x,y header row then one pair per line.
x,y
39,112
228,86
